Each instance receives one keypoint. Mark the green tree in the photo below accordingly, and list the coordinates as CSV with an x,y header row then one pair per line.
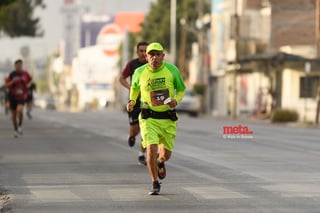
x,y
16,18
157,26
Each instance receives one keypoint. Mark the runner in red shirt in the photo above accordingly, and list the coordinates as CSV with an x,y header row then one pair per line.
x,y
126,73
18,82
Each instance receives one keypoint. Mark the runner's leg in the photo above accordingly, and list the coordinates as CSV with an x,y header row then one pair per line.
x,y
14,119
152,151
164,154
6,107
134,125
29,108
20,114
134,130
13,108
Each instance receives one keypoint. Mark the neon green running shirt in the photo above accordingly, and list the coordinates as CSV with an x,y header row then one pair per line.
x,y
155,86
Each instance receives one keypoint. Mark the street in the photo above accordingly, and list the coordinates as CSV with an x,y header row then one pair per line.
x,y
81,162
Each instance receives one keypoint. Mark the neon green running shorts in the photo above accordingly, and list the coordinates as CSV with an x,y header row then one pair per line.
x,y
158,131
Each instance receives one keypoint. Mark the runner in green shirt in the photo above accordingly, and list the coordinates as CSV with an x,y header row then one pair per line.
x,y
162,88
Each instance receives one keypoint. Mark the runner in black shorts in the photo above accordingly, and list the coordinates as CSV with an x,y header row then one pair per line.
x,y
18,82
127,72
31,89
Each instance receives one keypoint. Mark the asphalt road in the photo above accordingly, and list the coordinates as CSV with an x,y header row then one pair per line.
x,y
81,163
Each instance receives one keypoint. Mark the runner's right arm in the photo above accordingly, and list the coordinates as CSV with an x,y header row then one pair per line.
x,y
9,81
124,75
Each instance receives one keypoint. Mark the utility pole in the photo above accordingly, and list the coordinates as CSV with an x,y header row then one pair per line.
x,y
236,61
200,37
173,18
318,27
318,54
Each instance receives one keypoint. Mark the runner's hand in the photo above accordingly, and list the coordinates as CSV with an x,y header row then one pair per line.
x,y
14,80
173,103
130,106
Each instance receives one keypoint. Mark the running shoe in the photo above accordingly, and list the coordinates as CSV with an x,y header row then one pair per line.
x,y
161,170
20,131
16,134
131,141
142,160
155,190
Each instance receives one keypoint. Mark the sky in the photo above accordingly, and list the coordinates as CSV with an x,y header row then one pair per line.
x,y
52,23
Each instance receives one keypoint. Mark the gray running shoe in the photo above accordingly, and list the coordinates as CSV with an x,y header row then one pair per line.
x,y
142,160
16,134
155,188
20,131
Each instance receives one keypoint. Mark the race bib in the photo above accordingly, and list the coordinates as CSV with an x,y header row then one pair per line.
x,y
158,97
19,91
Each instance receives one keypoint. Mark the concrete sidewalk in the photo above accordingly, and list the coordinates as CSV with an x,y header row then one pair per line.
x,y
5,127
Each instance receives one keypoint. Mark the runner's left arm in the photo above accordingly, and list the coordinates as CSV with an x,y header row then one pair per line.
x,y
29,80
179,96
178,84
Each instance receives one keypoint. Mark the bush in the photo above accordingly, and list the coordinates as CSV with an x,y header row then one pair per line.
x,y
284,115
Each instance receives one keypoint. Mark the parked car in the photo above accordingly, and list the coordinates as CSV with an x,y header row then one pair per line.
x,y
191,103
45,102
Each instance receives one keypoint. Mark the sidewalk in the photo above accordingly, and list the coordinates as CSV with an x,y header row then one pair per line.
x,y
5,126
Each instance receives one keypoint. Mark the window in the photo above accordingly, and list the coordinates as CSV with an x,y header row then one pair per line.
x,y
308,86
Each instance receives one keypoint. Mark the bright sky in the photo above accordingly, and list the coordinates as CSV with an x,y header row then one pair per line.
x,y
52,23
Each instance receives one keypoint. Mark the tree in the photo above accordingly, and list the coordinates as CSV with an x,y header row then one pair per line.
x,y
16,18
157,26
6,2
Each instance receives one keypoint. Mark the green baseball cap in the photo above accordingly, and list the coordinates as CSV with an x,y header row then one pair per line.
x,y
154,46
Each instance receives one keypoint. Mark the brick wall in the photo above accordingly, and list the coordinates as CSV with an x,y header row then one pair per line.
x,y
292,22
253,4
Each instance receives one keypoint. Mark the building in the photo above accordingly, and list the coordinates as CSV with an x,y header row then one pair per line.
x,y
264,57
96,67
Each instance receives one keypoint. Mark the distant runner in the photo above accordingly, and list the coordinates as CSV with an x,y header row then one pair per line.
x,y
18,82
31,89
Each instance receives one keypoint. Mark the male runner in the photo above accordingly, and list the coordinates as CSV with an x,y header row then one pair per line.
x,y
162,88
127,72
18,82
